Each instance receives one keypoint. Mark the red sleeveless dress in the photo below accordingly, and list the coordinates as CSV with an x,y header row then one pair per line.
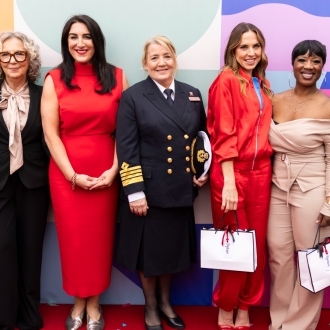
x,y
85,220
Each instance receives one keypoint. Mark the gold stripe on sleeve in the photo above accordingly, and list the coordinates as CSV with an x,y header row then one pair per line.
x,y
134,180
130,175
125,174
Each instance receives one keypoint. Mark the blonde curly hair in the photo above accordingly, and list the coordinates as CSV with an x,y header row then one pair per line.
x,y
32,51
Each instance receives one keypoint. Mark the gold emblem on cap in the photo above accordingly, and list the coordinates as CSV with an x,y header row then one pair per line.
x,y
202,156
169,171
169,137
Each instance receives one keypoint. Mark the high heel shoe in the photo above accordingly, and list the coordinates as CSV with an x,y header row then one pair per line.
x,y
173,322
226,327
74,323
153,327
95,325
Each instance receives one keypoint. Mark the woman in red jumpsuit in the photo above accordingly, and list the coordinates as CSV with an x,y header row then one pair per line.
x,y
239,114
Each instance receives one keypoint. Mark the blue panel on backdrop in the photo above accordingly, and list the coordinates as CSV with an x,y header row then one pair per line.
x,y
195,286
315,7
326,81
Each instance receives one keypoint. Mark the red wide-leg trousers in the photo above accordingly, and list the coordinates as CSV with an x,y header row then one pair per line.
x,y
241,289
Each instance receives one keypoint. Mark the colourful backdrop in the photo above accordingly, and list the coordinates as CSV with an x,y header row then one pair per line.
x,y
199,30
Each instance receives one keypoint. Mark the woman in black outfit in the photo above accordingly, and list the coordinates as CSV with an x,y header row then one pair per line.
x,y
24,189
157,120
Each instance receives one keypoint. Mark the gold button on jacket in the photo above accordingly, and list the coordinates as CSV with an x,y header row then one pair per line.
x,y
169,160
169,171
186,136
187,159
187,148
169,149
169,137
187,169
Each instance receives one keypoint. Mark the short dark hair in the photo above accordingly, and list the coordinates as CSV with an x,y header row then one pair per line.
x,y
313,47
104,71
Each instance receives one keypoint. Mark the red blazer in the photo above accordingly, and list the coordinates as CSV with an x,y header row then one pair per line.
x,y
233,120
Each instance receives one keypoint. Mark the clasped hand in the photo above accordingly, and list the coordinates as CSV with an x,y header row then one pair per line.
x,y
91,183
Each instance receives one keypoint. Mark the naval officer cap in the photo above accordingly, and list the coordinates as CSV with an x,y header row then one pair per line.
x,y
201,154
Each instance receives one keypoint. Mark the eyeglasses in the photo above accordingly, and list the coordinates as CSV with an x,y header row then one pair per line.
x,y
19,56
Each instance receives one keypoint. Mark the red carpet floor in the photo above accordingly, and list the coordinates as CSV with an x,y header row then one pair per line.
x,y
131,317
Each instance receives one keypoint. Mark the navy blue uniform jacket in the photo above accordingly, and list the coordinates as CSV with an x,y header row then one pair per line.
x,y
153,142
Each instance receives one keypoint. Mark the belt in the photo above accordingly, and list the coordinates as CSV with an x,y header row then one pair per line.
x,y
251,165
307,158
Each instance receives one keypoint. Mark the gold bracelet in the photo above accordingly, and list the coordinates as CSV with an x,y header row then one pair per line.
x,y
73,181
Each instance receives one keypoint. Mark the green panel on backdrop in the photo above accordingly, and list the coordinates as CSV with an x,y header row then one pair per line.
x,y
126,24
201,79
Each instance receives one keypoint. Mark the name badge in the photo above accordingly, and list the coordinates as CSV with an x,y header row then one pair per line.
x,y
228,247
326,261
194,98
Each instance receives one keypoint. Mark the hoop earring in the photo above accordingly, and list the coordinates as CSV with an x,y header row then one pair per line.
x,y
290,80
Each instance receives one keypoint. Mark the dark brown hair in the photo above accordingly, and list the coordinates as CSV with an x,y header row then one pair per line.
x,y
104,71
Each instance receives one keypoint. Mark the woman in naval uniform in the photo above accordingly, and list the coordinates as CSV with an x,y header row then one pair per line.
x,y
157,120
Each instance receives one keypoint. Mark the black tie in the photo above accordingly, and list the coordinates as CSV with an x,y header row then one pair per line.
x,y
168,92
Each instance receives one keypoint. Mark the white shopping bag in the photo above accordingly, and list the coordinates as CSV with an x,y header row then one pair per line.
x,y
229,250
314,267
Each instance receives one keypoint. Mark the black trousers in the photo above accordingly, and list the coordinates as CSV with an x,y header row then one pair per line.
x,y
23,216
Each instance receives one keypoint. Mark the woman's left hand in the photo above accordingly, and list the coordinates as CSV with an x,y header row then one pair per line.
x,y
105,180
323,219
201,181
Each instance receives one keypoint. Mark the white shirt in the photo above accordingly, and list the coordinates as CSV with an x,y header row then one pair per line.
x,y
162,88
140,194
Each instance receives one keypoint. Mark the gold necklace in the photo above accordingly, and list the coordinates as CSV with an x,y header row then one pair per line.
x,y
301,103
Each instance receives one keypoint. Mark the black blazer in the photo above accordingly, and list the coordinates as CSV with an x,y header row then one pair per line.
x,y
34,172
154,140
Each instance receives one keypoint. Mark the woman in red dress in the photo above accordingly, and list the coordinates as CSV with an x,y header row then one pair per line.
x,y
79,106
239,114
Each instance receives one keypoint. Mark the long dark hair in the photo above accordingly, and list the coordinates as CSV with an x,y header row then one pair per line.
x,y
104,71
230,57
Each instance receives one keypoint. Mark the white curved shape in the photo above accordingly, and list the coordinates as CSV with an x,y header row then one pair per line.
x,y
49,57
205,53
